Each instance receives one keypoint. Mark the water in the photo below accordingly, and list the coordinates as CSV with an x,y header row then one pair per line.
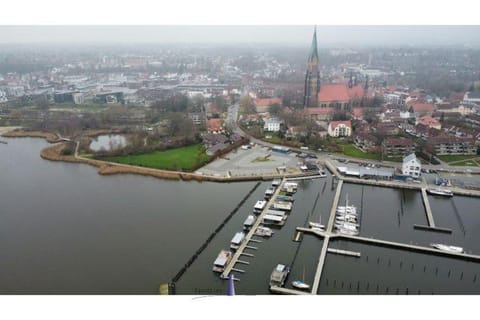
x,y
65,229
108,142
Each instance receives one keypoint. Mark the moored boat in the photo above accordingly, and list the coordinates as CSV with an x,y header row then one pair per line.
x,y
248,223
279,275
264,232
237,240
300,285
316,225
222,261
440,192
447,248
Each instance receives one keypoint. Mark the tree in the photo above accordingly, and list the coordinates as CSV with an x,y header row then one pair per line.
x,y
42,103
275,109
221,103
246,103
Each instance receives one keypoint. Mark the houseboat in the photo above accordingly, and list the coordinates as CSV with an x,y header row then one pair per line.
x,y
282,205
264,232
279,275
222,261
273,220
269,192
237,240
276,182
248,223
259,206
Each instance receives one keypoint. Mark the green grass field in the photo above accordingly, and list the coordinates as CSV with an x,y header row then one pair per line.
x,y
351,151
457,157
185,158
466,163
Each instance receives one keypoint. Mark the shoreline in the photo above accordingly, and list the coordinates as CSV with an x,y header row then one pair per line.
x,y
53,153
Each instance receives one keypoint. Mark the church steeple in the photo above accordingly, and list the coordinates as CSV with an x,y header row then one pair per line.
x,y
312,77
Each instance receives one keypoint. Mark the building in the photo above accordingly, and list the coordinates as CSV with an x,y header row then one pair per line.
x,y
272,124
397,147
366,142
411,166
472,98
340,128
263,105
429,122
451,145
214,126
312,76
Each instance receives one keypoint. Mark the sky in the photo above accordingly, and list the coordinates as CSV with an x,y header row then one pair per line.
x,y
232,34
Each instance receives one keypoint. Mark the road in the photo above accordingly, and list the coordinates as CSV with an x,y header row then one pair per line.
x,y
444,167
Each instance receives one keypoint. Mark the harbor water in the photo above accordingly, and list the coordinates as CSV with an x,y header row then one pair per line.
x,y
66,229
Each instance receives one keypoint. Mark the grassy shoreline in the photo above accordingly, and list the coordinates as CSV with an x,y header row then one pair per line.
x,y
185,158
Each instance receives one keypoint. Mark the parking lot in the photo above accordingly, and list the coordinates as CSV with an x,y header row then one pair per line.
x,y
257,160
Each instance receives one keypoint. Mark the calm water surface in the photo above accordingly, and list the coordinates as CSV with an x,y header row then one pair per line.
x,y
65,229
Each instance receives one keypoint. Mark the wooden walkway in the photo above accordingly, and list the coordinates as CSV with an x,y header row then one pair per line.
x,y
281,290
326,239
250,234
428,210
344,252
412,247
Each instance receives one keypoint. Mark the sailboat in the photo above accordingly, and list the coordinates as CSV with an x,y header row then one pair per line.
x,y
300,284
317,225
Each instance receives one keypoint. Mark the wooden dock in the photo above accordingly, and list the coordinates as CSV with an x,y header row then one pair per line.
x,y
435,229
250,234
326,239
411,247
315,176
281,290
344,252
428,210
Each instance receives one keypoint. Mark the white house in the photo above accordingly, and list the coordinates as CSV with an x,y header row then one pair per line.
x,y
340,128
272,124
411,166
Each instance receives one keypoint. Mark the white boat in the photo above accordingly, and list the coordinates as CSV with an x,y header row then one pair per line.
x,y
222,261
276,182
282,205
249,222
316,225
269,192
300,285
264,232
279,275
447,248
440,192
237,240
270,219
259,206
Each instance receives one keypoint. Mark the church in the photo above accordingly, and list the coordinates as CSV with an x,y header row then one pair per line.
x,y
321,101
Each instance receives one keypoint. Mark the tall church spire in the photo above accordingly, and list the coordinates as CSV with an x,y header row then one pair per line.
x,y
312,76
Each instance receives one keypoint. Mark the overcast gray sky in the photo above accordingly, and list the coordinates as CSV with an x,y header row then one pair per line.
x,y
295,35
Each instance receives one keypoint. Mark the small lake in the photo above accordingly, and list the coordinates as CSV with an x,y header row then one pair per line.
x,y
108,142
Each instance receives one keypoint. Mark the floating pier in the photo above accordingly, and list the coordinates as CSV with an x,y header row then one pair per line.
x,y
344,252
250,234
323,254
281,290
434,229
428,210
411,247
